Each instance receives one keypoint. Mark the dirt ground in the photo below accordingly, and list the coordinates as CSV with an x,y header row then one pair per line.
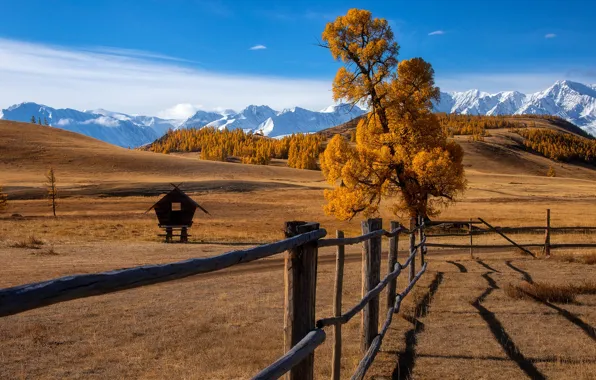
x,y
458,323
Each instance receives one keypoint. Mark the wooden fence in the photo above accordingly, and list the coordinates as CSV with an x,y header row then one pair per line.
x,y
302,333
472,230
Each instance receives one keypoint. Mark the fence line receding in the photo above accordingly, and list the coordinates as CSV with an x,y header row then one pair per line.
x,y
302,333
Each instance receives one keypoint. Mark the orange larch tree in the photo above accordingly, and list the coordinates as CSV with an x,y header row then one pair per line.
x,y
402,153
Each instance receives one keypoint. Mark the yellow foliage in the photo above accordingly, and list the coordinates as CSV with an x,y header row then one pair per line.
x,y
551,172
220,145
304,151
402,153
559,146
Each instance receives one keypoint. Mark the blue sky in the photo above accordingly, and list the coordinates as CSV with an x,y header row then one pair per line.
x,y
170,57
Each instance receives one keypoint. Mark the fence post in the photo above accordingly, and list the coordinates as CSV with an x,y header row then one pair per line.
x,y
391,260
300,295
547,234
471,243
371,276
339,278
420,237
412,245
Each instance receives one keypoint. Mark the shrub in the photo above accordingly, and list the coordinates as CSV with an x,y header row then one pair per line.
x,y
31,242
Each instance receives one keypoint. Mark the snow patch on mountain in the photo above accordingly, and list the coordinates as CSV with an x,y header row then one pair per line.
x,y
572,101
269,122
112,127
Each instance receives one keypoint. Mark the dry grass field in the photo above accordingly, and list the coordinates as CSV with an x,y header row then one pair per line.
x,y
467,318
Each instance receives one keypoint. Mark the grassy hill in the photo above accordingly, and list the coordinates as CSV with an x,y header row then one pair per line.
x,y
28,150
503,152
85,166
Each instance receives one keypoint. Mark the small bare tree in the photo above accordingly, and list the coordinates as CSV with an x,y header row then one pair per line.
x,y
52,189
3,200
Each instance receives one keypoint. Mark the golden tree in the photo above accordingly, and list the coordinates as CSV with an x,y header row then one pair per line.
x,y
401,151
551,172
3,200
52,189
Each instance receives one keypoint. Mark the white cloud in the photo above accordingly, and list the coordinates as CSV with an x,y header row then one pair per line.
x,y
180,111
437,33
258,47
103,121
550,35
134,84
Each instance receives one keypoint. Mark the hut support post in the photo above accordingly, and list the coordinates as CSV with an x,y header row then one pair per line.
x,y
169,234
300,294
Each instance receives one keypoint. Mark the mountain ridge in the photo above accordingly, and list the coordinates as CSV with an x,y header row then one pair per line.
x,y
572,101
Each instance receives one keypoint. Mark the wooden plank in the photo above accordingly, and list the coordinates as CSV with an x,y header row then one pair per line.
x,y
300,296
298,353
353,240
337,296
421,239
371,275
547,235
31,296
486,246
412,248
506,238
348,315
471,239
438,222
581,245
391,261
362,238
536,229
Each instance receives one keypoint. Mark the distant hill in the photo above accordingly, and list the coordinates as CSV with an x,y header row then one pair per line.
x,y
504,152
112,127
28,150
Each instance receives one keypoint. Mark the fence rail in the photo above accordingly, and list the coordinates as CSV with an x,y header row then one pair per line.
x,y
302,334
546,245
31,296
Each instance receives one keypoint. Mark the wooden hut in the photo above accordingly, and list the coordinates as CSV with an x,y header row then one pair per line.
x,y
175,211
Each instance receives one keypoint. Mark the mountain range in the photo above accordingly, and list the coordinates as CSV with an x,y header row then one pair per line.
x,y
572,101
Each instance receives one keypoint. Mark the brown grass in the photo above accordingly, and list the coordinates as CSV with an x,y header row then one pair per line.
x,y
546,292
229,325
31,242
588,258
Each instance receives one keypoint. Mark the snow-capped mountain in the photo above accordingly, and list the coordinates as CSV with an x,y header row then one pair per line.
x,y
572,101
269,122
112,127
131,131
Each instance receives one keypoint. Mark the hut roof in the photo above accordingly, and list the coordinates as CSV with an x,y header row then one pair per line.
x,y
176,190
